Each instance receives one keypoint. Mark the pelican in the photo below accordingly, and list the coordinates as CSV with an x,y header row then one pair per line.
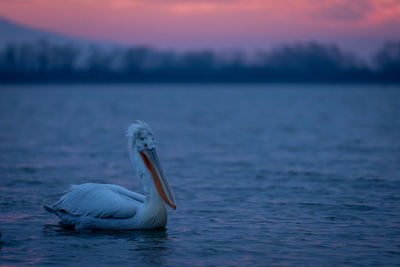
x,y
112,207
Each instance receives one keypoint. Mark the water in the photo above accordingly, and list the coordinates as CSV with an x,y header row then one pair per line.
x,y
262,175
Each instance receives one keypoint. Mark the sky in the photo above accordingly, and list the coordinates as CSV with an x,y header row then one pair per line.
x,y
213,23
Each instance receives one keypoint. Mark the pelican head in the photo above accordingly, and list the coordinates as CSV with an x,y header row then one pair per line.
x,y
143,154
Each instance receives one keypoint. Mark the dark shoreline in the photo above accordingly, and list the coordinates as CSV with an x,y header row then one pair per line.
x,y
43,62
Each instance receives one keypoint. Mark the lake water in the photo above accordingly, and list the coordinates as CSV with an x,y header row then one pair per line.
x,y
263,175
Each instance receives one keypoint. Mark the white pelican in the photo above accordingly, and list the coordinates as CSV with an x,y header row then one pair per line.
x,y
112,207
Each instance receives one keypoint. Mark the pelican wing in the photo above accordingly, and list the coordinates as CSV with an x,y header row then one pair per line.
x,y
99,200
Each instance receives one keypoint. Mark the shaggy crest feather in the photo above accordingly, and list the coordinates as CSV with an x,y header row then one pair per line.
x,y
136,127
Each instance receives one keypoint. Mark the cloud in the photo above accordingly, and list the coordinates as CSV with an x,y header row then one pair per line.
x,y
347,10
364,11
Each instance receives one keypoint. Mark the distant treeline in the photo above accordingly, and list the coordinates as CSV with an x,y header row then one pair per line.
x,y
305,62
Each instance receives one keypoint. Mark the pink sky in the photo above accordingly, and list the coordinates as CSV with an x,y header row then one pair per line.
x,y
212,23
